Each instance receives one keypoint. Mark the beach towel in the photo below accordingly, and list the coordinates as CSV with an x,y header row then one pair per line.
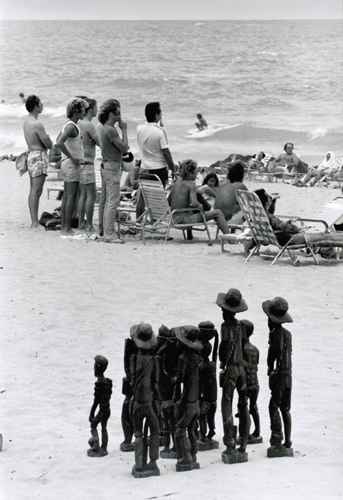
x,y
21,163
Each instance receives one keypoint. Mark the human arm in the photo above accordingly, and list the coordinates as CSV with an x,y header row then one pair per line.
x,y
93,136
208,190
169,160
43,136
193,195
120,143
69,131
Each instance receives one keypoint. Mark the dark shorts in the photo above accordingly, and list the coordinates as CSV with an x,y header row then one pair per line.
x,y
162,173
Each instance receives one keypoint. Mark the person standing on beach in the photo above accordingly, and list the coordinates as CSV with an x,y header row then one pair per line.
x,y
112,147
38,143
71,145
87,173
153,144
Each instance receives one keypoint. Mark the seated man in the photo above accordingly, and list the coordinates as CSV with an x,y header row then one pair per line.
x,y
226,199
287,160
183,195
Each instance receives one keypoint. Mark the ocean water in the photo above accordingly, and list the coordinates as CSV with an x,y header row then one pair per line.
x,y
258,84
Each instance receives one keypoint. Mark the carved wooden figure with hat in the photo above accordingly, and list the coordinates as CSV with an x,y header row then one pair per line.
x,y
208,386
187,399
144,381
232,375
102,396
280,376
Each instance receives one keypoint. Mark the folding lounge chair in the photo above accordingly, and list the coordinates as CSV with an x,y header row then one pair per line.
x,y
158,217
329,216
261,229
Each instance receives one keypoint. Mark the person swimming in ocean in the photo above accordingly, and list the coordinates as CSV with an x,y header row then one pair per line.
x,y
201,124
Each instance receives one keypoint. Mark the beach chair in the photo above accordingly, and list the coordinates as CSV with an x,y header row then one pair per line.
x,y
329,216
261,229
158,218
255,175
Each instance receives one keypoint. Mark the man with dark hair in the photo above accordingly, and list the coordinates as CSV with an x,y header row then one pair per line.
x,y
37,161
87,173
183,195
226,199
153,143
285,161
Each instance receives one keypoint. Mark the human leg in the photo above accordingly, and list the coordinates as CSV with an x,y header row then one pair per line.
x,y
69,198
89,208
81,206
112,174
36,189
218,216
102,202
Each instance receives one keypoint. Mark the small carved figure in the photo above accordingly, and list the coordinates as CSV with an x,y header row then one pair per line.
x,y
187,400
232,375
280,376
208,386
251,357
102,396
167,353
144,381
126,421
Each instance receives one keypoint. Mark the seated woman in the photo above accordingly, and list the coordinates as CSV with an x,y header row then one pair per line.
x,y
209,187
286,230
316,173
256,163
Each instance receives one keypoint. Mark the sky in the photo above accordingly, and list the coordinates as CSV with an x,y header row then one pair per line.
x,y
170,9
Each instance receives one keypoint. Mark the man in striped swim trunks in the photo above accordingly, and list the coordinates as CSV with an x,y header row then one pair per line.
x,y
38,143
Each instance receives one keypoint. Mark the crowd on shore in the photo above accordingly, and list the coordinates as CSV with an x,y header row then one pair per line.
x,y
75,150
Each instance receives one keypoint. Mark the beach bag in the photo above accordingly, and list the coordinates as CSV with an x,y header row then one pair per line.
x,y
50,222
21,163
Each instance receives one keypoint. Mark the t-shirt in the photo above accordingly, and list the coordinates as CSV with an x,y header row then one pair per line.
x,y
151,140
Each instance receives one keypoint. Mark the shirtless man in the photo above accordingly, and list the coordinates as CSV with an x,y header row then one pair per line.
x,y
287,160
87,174
226,200
71,145
183,195
37,161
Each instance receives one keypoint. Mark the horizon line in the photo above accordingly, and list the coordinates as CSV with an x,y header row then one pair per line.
x,y
185,20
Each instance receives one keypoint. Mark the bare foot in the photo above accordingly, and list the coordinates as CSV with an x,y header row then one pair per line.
x,y
38,226
114,239
82,226
68,232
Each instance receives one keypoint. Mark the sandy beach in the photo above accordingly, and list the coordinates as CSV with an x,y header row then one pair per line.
x,y
63,301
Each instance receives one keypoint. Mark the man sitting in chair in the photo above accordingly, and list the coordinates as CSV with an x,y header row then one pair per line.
x,y
183,195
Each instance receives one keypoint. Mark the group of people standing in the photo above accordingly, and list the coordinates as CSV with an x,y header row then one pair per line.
x,y
76,146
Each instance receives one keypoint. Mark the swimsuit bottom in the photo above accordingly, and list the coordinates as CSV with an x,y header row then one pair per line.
x,y
37,163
